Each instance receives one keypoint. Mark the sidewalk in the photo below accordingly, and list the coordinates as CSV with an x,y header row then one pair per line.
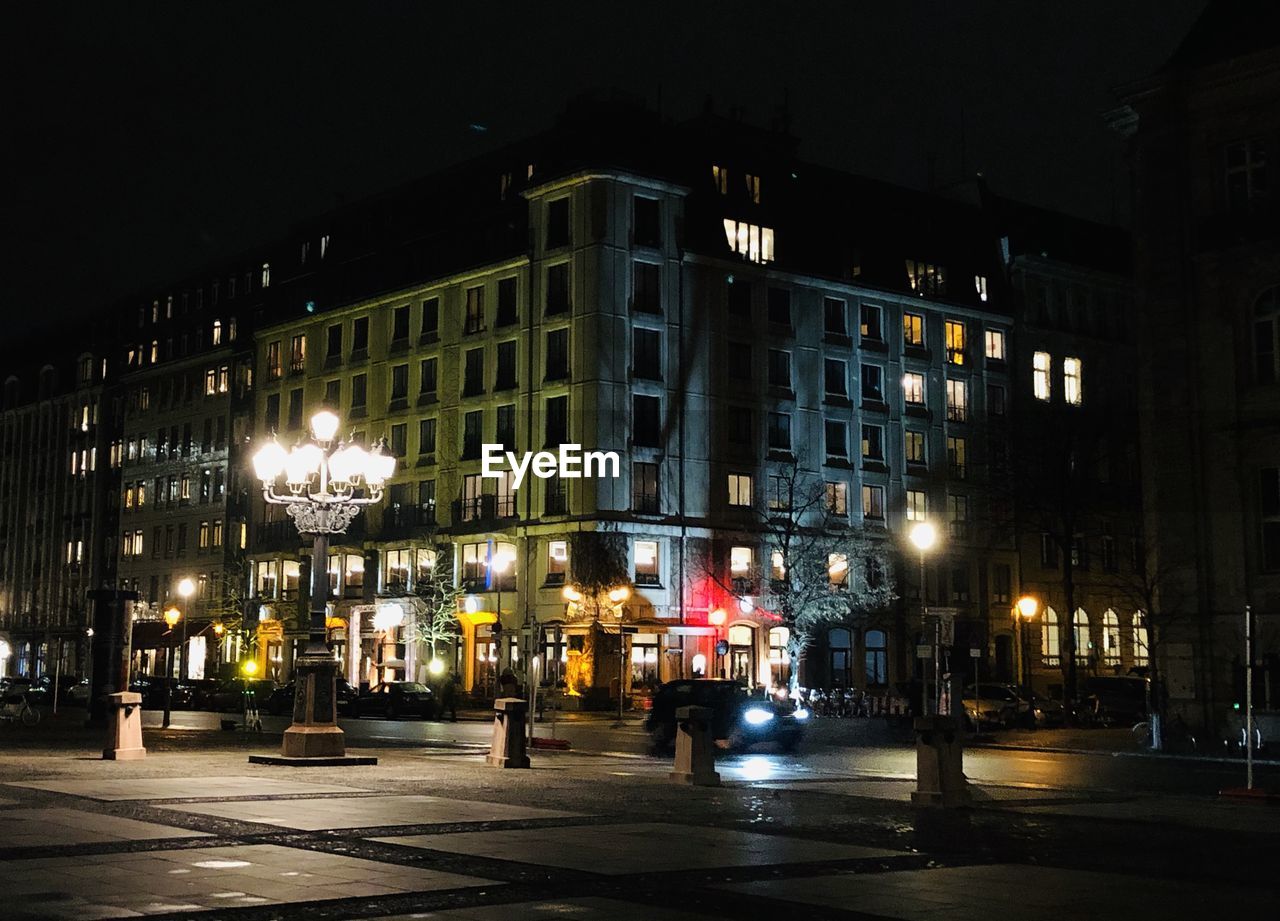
x,y
1093,741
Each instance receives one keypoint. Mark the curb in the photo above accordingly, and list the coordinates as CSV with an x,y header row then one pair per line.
x,y
1201,759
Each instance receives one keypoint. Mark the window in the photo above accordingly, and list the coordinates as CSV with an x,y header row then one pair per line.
x,y
557,289
996,405
838,570
472,497
960,583
474,319
740,490
876,647
958,515
720,176
873,443
917,505
646,571
833,317
400,325
953,332
557,561
1048,551
475,564
333,342
427,500
873,502
1041,384
646,354
913,330
1269,510
1107,551
399,383
913,388
359,336
558,355
749,240
914,447
926,278
427,437
506,497
739,425
430,330
739,297
1141,640
779,369
646,222
274,368
837,499
779,657
869,327
995,345
646,422
753,188
505,432
644,487
472,434
473,373
1080,630
557,420
777,566
506,376
557,223
395,571
1266,337
1050,640
555,496
779,306
359,389
399,439
1071,383
980,286
1246,174
957,401
738,361
646,295
835,375
779,432
740,562
956,461
508,310
837,439
1110,638
427,376
295,408
872,384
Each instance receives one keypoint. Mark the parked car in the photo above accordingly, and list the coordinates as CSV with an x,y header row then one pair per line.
x,y
229,696
41,690
1117,699
281,699
737,721
995,705
1045,711
202,691
78,693
152,689
394,699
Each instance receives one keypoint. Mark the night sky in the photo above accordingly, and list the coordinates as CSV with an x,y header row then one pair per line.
x,y
149,141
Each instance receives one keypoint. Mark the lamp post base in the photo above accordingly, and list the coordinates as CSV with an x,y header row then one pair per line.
x,y
315,732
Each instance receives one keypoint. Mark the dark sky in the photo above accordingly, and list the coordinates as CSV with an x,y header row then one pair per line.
x,y
150,140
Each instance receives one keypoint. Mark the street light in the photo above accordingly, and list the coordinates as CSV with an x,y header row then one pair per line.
x,y
325,486
1027,608
618,596
171,617
499,563
717,619
924,535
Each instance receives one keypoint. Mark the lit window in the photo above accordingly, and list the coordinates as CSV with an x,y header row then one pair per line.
x,y
749,240
777,566
557,561
1050,641
646,572
914,445
995,345
838,569
1080,626
274,367
215,334
873,502
913,330
917,505
980,285
837,499
926,278
721,177
1041,385
298,354
266,275
740,490
957,401
1141,641
913,388
753,188
954,333
210,382
740,560
1110,638
1071,381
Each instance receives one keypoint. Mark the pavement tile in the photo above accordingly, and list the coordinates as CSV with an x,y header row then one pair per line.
x,y
112,789
585,909
56,826
637,848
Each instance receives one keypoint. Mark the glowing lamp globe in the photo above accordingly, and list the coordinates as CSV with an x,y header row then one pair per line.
x,y
302,462
619,594
435,667
379,467
186,588
348,463
924,535
269,461
324,425
172,616
1028,606
571,594
717,617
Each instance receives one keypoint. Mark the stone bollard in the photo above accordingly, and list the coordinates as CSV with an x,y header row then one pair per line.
x,y
695,749
507,750
940,777
124,719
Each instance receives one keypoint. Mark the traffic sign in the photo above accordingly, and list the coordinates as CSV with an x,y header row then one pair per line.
x,y
924,651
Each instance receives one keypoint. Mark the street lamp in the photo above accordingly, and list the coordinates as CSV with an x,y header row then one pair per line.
x,y
326,485
924,535
1027,608
717,619
618,596
499,563
171,617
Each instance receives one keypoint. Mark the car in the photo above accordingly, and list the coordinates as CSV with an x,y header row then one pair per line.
x,y
995,705
230,695
41,690
394,699
280,700
152,689
1117,698
737,721
78,693
1045,711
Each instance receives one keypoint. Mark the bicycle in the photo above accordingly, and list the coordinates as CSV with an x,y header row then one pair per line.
x,y
17,707
1176,736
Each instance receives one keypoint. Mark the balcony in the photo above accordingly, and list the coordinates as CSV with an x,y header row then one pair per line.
x,y
405,520
478,513
276,535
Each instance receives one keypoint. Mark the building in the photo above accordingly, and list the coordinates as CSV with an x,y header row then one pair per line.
x,y
1208,279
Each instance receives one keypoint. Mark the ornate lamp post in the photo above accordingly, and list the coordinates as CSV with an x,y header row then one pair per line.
x,y
326,485
1027,608
618,596
924,535
171,617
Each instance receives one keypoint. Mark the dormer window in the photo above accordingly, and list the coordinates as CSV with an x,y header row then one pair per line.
x,y
721,177
749,240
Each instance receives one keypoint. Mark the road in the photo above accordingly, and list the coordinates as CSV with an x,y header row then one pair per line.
x,y
833,748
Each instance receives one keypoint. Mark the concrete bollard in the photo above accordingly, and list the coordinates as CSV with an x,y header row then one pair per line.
x,y
507,750
695,749
124,722
940,779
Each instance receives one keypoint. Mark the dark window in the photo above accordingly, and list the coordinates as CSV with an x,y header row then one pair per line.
x,y
333,394
1048,551
779,432
506,430
837,439
506,379
359,387
1269,506
473,373
833,317
558,288
646,354
647,296
780,306
646,422
400,326
557,223
834,377
399,383
295,408
557,355
360,335
870,328
995,400
648,222
400,439
779,369
427,499
430,319
557,421
739,361
272,414
873,442
555,503
334,340
507,310
739,297
739,425
426,436
1001,583
427,373
472,426
872,383
474,322
644,487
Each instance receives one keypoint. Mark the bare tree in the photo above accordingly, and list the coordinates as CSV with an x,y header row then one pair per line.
x,y
435,602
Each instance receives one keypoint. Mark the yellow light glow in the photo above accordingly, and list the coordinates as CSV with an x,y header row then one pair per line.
x,y
219,629
1028,606
436,667
324,425
250,667
571,594
717,617
186,588
619,594
924,535
172,616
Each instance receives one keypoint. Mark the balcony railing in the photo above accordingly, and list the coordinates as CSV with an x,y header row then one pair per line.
x,y
402,519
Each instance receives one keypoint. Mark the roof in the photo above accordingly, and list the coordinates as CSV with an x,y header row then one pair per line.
x,y
1228,29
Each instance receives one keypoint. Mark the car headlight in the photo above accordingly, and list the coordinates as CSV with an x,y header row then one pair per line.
x,y
801,714
757,716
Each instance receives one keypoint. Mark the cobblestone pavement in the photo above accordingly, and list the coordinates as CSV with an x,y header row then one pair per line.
x,y
194,831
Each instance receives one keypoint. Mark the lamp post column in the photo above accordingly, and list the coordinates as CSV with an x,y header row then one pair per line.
x,y
315,731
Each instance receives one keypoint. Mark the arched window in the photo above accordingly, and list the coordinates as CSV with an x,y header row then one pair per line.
x,y
1266,336
1110,638
1141,640
1050,651
1080,624
877,658
266,275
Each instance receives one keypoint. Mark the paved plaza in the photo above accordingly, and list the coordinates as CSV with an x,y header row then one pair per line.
x,y
438,834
